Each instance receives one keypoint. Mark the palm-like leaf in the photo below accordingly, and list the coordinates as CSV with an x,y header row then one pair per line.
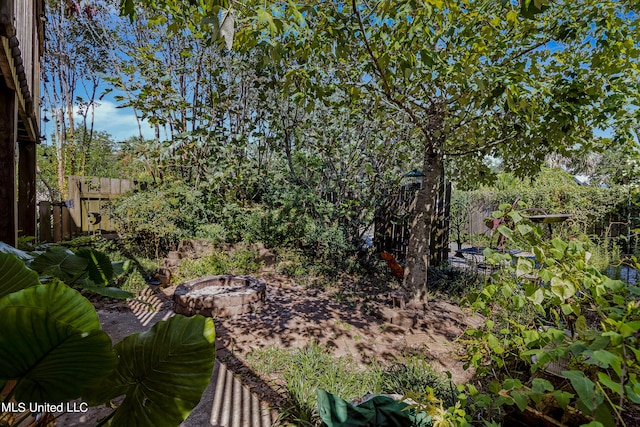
x,y
163,372
14,276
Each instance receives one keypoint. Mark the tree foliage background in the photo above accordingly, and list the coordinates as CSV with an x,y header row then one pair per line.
x,y
338,100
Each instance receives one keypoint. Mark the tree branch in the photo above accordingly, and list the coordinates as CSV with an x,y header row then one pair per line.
x,y
477,150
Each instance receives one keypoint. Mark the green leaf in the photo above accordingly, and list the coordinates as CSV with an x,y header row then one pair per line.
x,y
8,249
61,263
524,229
494,344
631,394
516,217
162,372
128,8
99,266
51,359
120,267
563,398
562,288
511,383
606,358
584,387
505,231
530,8
14,276
512,17
604,379
107,291
520,399
540,385
523,266
629,328
63,304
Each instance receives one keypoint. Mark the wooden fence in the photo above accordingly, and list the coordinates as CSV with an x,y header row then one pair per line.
x,y
392,223
86,210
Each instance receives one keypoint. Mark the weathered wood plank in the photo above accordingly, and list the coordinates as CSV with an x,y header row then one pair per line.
x,y
45,222
91,195
6,18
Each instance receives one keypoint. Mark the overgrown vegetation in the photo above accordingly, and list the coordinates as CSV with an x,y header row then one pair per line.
x,y
240,262
297,134
302,228
594,211
557,333
303,371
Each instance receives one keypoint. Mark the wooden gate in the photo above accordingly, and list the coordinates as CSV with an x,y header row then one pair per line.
x,y
89,201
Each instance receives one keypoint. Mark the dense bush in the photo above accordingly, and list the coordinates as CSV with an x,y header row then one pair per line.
x,y
153,221
557,331
553,191
240,261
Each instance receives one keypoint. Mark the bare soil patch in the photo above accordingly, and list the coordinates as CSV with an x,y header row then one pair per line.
x,y
366,328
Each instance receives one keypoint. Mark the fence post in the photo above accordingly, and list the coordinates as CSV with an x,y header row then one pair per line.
x,y
45,221
67,221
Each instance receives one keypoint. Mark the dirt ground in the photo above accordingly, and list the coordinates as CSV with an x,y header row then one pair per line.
x,y
366,329
348,321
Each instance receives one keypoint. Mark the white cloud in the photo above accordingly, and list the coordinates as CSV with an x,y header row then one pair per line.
x,y
120,123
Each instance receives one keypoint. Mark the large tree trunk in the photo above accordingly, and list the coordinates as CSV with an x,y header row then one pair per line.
x,y
424,210
424,219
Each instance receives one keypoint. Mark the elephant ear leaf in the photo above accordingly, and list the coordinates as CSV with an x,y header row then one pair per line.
x,y
107,291
53,349
61,263
63,303
163,372
99,267
24,256
14,276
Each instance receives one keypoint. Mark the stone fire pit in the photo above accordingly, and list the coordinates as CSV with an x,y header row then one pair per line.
x,y
219,296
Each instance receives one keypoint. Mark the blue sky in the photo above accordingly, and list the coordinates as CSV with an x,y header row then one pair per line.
x,y
120,123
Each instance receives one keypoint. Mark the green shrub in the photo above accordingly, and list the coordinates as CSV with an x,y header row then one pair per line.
x,y
153,221
415,375
241,261
555,315
554,191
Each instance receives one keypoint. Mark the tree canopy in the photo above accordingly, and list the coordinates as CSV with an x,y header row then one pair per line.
x,y
462,81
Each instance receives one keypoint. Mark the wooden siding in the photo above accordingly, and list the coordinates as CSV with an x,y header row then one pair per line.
x,y
21,46
22,36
